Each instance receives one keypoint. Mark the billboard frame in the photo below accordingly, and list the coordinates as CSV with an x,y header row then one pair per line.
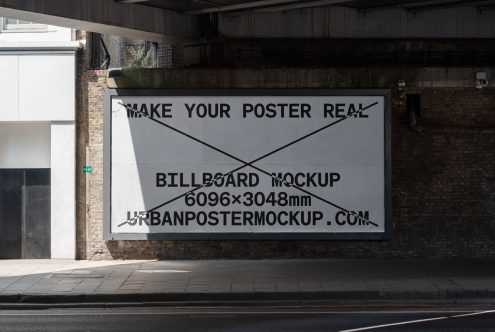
x,y
107,164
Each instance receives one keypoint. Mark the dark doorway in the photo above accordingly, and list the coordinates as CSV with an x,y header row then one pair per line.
x,y
24,213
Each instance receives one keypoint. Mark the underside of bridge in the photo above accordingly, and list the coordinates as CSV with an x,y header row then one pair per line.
x,y
183,21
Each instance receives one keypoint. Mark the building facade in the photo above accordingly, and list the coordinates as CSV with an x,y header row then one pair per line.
x,y
37,140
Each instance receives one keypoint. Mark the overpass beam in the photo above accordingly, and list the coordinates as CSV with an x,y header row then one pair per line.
x,y
106,17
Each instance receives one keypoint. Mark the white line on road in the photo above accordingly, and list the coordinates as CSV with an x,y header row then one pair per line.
x,y
474,313
394,324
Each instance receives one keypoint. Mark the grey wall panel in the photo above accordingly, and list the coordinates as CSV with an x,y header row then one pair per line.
x,y
485,23
340,22
10,213
24,213
36,225
467,22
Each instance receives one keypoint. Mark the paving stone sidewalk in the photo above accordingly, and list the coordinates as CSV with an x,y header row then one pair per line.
x,y
21,280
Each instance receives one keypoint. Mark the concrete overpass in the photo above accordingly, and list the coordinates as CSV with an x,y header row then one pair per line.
x,y
105,16
162,20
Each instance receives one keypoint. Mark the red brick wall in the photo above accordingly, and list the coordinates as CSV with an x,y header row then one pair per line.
x,y
443,174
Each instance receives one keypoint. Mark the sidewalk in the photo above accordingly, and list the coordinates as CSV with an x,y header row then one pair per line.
x,y
227,281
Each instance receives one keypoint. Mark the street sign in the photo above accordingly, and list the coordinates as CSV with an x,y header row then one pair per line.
x,y
87,169
247,164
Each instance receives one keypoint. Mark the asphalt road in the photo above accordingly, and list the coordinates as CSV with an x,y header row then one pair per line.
x,y
250,319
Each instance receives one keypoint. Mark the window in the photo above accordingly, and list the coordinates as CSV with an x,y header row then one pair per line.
x,y
11,24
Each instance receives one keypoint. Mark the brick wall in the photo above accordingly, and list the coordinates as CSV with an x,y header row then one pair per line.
x,y
443,173
82,60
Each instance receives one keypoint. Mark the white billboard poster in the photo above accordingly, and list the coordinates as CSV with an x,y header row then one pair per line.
x,y
256,164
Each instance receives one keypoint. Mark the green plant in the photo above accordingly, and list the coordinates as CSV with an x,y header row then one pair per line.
x,y
140,57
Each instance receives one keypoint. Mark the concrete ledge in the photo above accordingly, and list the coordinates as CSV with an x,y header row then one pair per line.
x,y
476,297
40,46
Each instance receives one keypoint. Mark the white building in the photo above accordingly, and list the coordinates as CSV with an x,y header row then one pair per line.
x,y
37,140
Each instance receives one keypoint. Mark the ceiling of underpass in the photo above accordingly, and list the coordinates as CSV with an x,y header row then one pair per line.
x,y
194,7
188,20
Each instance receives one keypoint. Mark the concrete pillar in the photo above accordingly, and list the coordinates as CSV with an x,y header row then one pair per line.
x,y
63,194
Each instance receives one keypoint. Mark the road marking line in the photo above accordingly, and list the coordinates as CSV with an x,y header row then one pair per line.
x,y
394,324
474,313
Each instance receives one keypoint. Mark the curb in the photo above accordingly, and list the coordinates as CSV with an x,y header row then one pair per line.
x,y
35,301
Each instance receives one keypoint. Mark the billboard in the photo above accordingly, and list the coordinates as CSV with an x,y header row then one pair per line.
x,y
247,164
